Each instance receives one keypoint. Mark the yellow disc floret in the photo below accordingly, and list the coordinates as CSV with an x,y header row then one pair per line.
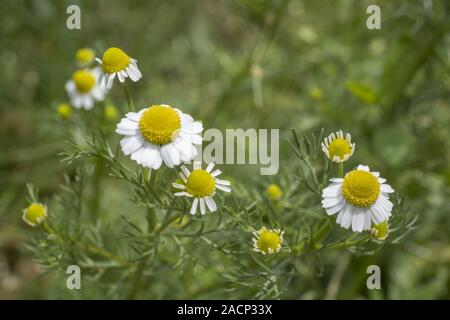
x,y
269,241
85,56
160,124
200,184
84,80
360,188
35,214
274,192
114,60
339,147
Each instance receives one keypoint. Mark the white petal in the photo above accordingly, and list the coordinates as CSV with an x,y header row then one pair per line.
x,y
131,144
196,139
202,206
194,206
211,204
192,127
120,76
209,167
367,219
109,80
386,188
358,220
133,116
347,216
222,182
332,190
216,172
127,124
223,188
170,155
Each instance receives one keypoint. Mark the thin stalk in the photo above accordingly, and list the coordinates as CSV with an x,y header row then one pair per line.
x,y
341,169
130,102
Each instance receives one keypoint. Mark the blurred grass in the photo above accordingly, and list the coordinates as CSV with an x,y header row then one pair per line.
x,y
247,64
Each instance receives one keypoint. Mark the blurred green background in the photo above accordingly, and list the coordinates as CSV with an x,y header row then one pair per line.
x,y
245,64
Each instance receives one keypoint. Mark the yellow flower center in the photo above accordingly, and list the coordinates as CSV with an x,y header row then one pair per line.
x,y
274,192
269,239
85,56
360,188
339,147
114,60
160,124
84,80
200,183
36,213
64,110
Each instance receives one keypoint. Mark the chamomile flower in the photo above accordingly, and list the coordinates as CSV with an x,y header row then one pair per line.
x,y
85,57
337,147
380,231
267,241
358,199
114,63
64,110
201,185
84,89
35,214
159,133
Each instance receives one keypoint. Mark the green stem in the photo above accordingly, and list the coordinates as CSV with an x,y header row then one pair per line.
x,y
129,98
97,183
341,169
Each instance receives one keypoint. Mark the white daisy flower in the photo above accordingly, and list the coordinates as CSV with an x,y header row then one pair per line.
x,y
201,185
114,63
337,148
267,241
84,89
360,198
159,133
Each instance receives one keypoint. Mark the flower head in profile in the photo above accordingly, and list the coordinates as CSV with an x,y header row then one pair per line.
x,y
358,199
84,89
35,214
267,241
159,133
201,185
85,57
337,147
114,63
380,231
